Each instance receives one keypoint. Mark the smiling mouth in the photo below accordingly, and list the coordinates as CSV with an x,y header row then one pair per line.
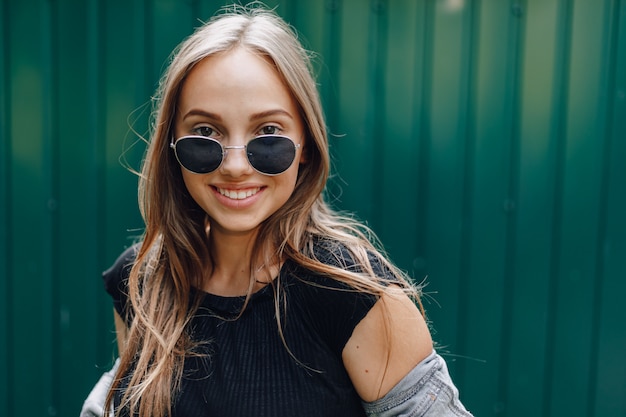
x,y
238,194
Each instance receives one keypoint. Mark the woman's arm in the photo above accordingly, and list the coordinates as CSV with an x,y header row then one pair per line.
x,y
386,345
121,332
393,366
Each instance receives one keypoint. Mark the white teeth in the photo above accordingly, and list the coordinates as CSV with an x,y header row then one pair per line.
x,y
238,194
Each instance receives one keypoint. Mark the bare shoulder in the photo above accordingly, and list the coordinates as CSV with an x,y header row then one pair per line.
x,y
388,343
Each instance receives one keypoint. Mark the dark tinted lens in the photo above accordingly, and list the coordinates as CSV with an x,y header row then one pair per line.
x,y
198,154
271,154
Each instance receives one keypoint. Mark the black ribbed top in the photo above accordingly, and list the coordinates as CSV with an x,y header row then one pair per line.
x,y
248,370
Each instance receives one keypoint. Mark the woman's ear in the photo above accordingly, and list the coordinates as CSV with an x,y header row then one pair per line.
x,y
304,158
304,153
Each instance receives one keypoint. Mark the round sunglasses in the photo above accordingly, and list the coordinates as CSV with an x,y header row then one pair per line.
x,y
267,154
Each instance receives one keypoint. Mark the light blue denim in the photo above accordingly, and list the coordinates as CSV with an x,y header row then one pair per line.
x,y
426,391
94,404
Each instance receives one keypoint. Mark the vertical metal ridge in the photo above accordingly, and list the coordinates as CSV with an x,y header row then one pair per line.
x,y
331,48
50,220
376,106
143,69
559,135
148,57
605,114
516,35
467,97
332,18
96,85
6,217
421,126
195,12
290,12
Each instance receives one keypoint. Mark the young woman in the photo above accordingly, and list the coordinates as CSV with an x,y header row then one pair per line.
x,y
248,296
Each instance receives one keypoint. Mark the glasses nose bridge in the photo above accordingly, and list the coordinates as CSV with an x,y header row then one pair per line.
x,y
226,150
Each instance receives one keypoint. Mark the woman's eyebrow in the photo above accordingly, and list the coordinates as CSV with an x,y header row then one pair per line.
x,y
269,113
203,113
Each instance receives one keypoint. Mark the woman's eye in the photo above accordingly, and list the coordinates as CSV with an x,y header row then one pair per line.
x,y
204,131
269,130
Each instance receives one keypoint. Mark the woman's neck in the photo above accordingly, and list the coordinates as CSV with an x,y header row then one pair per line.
x,y
233,266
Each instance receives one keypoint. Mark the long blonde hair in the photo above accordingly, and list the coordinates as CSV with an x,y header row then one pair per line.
x,y
175,248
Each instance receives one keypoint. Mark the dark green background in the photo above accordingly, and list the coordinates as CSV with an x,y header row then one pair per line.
x,y
483,140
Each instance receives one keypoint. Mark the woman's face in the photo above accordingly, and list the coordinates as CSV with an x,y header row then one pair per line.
x,y
234,97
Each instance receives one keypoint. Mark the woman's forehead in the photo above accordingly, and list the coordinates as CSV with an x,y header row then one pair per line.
x,y
236,80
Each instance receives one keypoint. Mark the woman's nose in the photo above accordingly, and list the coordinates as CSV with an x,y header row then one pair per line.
x,y
235,161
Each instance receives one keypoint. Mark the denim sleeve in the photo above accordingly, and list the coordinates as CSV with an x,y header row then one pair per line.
x,y
94,404
426,391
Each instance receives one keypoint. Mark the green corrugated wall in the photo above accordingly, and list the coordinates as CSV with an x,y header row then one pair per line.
x,y
483,140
